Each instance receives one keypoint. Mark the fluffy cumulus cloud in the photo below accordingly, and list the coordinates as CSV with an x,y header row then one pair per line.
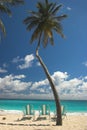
x,y
14,86
67,88
39,84
25,62
11,83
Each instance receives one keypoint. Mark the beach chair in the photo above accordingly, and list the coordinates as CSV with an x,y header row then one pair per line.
x,y
44,112
29,111
63,112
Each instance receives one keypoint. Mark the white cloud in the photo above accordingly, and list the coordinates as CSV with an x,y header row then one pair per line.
x,y
27,61
19,76
13,86
36,85
17,59
67,88
38,64
2,70
85,63
69,8
13,83
60,76
85,78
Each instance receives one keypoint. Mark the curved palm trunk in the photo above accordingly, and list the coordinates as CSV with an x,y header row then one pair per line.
x,y
58,106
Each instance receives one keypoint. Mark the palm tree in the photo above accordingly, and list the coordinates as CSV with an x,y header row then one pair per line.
x,y
5,8
44,22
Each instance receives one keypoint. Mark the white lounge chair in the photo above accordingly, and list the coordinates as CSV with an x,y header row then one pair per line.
x,y
29,111
44,112
63,112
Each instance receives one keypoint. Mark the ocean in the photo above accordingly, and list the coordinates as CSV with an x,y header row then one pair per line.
x,y
71,106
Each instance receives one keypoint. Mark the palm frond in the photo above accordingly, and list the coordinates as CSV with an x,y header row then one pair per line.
x,y
35,34
49,32
18,2
40,7
30,20
59,32
2,27
46,1
44,22
34,14
45,39
15,2
59,18
56,9
5,9
12,2
52,6
51,39
32,25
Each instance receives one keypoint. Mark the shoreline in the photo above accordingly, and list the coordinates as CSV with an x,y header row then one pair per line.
x,y
37,112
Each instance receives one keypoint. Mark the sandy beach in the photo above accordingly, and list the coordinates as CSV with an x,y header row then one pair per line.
x,y
15,121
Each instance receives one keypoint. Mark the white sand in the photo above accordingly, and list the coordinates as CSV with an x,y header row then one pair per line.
x,y
15,121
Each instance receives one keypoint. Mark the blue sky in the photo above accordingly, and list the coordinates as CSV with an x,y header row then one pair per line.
x,y
21,76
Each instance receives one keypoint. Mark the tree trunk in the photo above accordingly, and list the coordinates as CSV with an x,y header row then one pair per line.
x,y
56,97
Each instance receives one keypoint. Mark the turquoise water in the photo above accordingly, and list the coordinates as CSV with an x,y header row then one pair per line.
x,y
70,105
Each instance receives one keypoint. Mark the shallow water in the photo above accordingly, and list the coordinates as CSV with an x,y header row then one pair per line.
x,y
71,106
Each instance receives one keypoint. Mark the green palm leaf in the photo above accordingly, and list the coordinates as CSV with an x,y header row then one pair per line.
x,y
56,9
59,18
12,2
16,2
35,34
2,27
5,8
45,22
